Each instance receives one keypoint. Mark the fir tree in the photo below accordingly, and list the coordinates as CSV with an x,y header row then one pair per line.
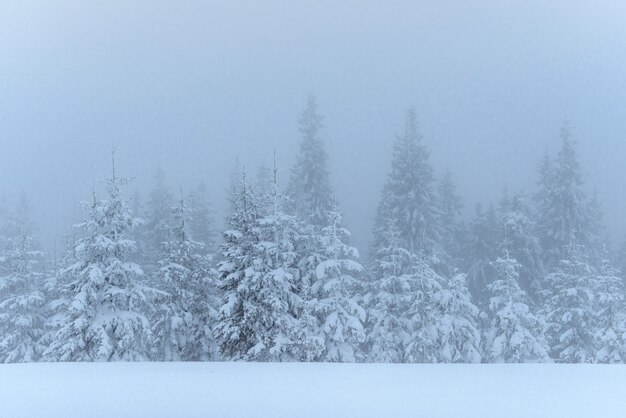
x,y
105,318
418,315
515,334
186,310
308,340
523,245
562,203
21,299
569,310
408,197
236,274
425,314
610,314
341,316
56,301
258,276
309,186
391,327
459,338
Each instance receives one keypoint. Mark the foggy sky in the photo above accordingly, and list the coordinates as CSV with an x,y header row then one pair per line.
x,y
188,86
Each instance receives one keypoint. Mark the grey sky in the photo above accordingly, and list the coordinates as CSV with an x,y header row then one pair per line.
x,y
190,85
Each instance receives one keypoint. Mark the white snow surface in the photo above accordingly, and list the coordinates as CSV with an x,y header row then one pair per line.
x,y
223,390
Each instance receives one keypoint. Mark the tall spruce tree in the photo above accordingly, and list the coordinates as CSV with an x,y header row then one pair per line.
x,y
425,313
21,296
389,324
569,309
515,335
408,197
309,343
341,317
523,245
186,309
105,318
563,206
309,186
610,313
459,338
259,276
235,335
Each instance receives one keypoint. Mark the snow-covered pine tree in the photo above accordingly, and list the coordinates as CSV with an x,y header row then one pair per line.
x,y
341,317
259,277
408,198
309,189
563,207
186,309
389,324
610,314
308,339
234,329
569,311
309,343
425,314
515,334
56,301
523,245
450,205
54,281
21,299
459,338
107,300
311,198
416,315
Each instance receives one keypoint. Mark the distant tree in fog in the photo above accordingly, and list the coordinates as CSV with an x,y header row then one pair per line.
x,y
564,215
309,185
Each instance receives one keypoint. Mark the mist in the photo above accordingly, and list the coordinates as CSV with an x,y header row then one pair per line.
x,y
194,87
312,208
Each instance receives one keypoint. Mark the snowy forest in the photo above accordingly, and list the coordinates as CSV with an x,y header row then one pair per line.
x,y
154,276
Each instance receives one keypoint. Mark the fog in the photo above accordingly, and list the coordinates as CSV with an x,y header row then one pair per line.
x,y
192,86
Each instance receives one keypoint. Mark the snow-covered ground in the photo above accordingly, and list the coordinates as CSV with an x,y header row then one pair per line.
x,y
223,390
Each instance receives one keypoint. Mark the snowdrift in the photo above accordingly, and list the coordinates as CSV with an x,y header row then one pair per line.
x,y
224,390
